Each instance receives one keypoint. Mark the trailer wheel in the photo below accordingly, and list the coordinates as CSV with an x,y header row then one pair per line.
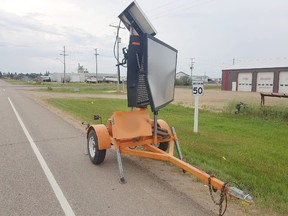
x,y
163,146
96,156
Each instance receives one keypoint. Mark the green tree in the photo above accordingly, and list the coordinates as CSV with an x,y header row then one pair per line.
x,y
183,81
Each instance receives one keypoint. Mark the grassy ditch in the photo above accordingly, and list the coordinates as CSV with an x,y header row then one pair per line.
x,y
274,113
64,85
81,89
249,150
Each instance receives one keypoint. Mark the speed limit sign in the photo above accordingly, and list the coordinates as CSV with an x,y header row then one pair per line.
x,y
197,88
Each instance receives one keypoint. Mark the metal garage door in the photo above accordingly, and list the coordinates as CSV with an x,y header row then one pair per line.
x,y
283,82
244,82
265,81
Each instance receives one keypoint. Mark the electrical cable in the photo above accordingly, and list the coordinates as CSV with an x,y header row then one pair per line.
x,y
114,47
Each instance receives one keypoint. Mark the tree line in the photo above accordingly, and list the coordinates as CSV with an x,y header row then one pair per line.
x,y
20,76
183,81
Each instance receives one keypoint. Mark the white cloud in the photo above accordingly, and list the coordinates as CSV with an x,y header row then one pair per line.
x,y
33,33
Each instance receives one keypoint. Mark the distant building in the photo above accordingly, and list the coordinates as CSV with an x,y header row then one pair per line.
x,y
69,77
257,76
181,74
83,77
81,69
102,77
203,78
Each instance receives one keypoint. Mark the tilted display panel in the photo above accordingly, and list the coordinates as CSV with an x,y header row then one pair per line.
x,y
160,65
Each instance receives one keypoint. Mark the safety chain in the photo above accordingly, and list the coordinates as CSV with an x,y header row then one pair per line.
x,y
223,196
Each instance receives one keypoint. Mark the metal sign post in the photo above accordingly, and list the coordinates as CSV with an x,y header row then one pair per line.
x,y
197,90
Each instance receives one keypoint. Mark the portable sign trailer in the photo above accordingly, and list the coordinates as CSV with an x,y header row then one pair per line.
x,y
151,71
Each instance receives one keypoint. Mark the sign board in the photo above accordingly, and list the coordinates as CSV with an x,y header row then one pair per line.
x,y
197,88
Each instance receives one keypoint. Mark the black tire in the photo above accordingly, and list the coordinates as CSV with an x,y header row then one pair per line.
x,y
96,156
163,146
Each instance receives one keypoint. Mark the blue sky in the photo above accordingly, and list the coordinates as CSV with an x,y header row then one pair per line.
x,y
213,32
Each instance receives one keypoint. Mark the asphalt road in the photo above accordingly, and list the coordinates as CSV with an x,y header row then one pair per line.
x,y
44,171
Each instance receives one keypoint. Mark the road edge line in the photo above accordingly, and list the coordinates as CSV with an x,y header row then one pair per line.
x,y
56,188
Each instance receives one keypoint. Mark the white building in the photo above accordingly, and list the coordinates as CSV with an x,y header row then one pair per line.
x,y
181,74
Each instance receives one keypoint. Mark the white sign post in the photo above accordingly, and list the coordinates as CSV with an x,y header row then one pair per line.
x,y
197,90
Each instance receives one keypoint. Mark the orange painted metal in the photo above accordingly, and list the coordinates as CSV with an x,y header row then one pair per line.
x,y
109,128
135,128
146,154
104,141
158,154
165,126
171,148
131,124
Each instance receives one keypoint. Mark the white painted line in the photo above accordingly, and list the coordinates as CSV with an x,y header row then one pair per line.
x,y
56,188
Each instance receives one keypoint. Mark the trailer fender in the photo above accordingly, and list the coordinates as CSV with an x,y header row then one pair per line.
x,y
103,138
164,125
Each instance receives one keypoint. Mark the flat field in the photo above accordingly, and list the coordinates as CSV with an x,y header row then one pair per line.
x,y
216,100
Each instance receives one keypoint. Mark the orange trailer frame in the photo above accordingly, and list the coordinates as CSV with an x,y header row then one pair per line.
x,y
131,129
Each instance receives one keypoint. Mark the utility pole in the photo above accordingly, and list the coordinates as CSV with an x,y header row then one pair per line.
x,y
118,41
64,63
96,54
192,67
233,61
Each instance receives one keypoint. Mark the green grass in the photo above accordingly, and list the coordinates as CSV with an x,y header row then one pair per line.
x,y
57,84
84,109
81,89
206,86
248,149
275,113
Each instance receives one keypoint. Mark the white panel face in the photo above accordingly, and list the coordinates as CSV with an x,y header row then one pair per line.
x,y
161,72
283,82
244,82
265,82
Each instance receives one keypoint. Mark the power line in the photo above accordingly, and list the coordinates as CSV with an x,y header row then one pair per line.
x,y
192,66
117,41
96,54
64,63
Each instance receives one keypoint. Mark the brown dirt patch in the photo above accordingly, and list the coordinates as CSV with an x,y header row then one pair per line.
x,y
216,99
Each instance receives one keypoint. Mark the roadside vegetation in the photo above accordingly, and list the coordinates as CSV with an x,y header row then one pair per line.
x,y
206,86
91,88
81,88
276,113
99,89
57,84
186,82
249,148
